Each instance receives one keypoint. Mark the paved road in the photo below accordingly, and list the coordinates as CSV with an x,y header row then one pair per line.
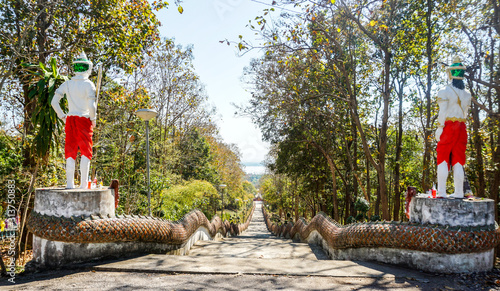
x,y
256,260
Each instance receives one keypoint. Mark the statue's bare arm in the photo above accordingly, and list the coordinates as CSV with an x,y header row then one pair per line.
x,y
443,107
58,95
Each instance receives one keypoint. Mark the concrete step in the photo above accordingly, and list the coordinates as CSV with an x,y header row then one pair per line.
x,y
257,248
254,266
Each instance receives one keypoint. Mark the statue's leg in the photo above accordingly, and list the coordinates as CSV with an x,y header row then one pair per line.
x,y
84,172
70,173
442,176
458,180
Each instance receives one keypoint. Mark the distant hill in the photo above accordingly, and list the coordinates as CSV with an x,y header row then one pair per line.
x,y
254,179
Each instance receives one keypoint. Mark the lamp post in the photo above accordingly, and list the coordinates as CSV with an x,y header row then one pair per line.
x,y
222,186
146,115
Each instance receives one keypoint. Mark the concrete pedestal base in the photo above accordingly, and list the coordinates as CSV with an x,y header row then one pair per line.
x,y
77,202
62,202
426,261
453,212
53,254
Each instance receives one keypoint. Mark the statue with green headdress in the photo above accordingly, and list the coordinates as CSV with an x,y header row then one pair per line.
x,y
80,120
454,102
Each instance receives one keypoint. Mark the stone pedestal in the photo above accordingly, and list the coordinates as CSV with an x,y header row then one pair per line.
x,y
62,202
59,202
453,212
467,213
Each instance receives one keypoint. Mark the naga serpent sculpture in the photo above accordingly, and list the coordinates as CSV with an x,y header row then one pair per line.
x,y
124,228
400,235
396,235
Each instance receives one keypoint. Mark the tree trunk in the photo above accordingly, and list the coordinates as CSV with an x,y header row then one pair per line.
x,y
296,202
355,170
368,186
377,202
332,167
347,201
383,139
397,188
478,150
495,182
495,147
427,130
29,108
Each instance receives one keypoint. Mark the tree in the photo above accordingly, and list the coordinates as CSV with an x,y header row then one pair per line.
x,y
196,158
227,161
175,88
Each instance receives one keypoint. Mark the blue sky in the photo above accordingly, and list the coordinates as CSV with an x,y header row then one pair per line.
x,y
203,24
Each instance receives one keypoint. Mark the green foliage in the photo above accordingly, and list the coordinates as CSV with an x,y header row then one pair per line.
x,y
47,126
254,179
10,155
180,199
361,205
196,158
249,188
120,30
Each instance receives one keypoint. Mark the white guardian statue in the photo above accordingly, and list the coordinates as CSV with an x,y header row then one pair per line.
x,y
80,119
454,102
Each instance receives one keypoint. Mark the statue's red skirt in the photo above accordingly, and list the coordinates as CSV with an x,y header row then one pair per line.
x,y
452,143
78,136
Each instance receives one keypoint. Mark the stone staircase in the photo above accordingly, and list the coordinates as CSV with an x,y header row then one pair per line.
x,y
258,243
256,252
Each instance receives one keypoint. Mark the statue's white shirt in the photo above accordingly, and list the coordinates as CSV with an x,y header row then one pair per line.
x,y
453,103
81,95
